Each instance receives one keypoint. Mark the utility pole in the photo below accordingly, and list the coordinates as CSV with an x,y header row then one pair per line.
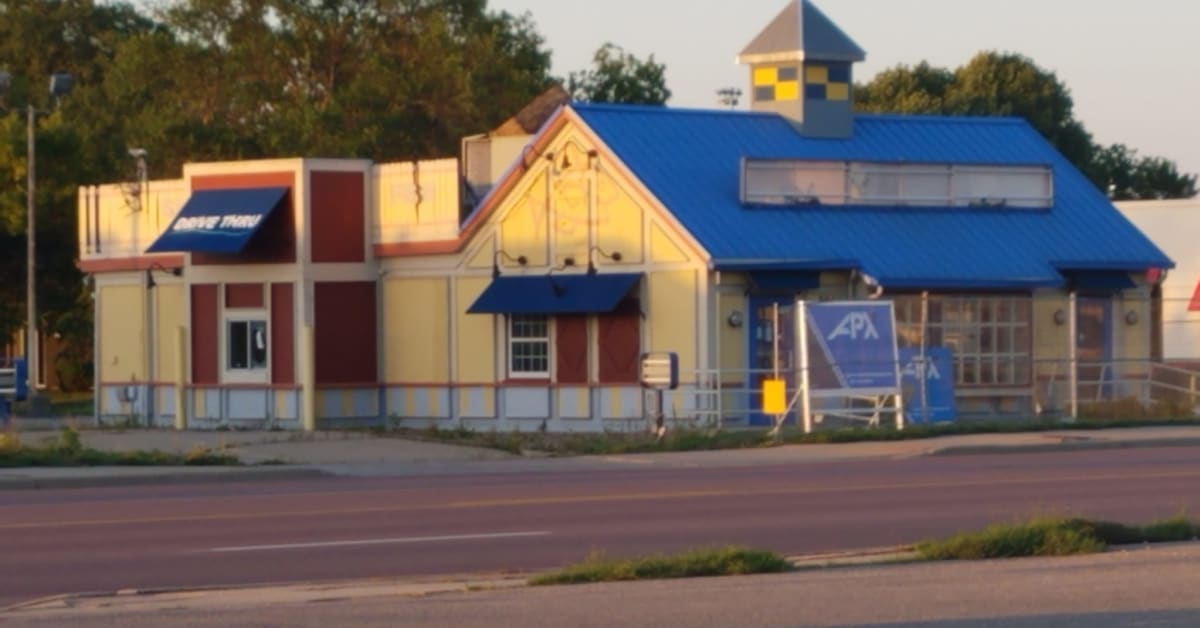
x,y
31,326
60,85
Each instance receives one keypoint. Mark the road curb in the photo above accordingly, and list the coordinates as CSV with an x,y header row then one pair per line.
x,y
304,591
170,475
863,557
411,586
1066,444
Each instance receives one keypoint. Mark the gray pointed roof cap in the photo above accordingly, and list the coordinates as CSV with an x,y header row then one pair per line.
x,y
801,31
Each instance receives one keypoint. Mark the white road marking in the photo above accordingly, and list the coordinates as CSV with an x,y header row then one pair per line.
x,y
628,460
408,539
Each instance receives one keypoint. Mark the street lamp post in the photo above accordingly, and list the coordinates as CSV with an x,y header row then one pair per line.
x,y
60,85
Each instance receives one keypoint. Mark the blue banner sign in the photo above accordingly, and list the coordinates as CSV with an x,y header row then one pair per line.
x,y
936,374
857,345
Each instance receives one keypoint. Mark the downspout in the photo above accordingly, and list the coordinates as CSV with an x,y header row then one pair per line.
x,y
1073,353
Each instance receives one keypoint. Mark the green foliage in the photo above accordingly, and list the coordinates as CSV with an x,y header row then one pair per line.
x,y
615,443
586,444
1005,84
1054,537
617,76
202,80
721,561
68,450
1132,409
1130,177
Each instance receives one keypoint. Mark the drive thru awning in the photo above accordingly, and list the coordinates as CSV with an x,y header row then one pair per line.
x,y
219,221
555,294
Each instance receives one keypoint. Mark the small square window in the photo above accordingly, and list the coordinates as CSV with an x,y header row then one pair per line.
x,y
247,345
529,346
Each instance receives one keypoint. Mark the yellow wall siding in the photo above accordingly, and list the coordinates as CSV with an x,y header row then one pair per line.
x,y
618,221
570,198
122,333
1050,340
416,201
484,256
476,335
733,341
416,330
169,305
672,316
523,230
834,286
663,249
1133,340
122,230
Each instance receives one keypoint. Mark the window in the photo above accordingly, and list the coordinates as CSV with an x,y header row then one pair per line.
x,y
247,345
528,346
989,335
798,182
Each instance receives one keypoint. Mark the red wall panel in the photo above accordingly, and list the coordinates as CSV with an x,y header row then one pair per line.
x,y
571,349
205,336
283,336
620,344
244,295
275,242
338,215
345,332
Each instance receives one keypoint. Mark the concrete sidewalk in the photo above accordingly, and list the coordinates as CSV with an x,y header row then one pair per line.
x,y
357,454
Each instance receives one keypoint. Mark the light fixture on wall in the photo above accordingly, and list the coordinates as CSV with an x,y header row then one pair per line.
x,y
614,256
150,283
1060,317
1131,317
521,260
735,319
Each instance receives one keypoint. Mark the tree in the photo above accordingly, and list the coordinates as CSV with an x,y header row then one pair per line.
x,y
1003,84
38,37
201,80
619,77
1130,177
378,79
916,90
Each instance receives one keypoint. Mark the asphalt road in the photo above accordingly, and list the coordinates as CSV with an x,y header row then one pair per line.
x,y
106,539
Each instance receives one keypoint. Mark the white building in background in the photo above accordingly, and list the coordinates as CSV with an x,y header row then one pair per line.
x,y
1174,225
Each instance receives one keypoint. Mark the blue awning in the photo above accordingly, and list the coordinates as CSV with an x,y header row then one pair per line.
x,y
791,282
219,221
1098,281
554,294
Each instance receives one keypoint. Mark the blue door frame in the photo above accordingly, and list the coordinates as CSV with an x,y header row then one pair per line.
x,y
1094,343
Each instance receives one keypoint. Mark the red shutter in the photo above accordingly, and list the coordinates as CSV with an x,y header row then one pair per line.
x,y
283,339
244,295
205,334
571,349
620,343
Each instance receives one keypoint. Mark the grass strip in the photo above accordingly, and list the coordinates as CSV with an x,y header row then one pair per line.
x,y
718,561
564,444
67,450
1049,536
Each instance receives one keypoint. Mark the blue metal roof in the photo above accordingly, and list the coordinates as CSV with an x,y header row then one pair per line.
x,y
219,221
690,160
554,294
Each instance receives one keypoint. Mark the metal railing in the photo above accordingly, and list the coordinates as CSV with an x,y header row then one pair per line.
x,y
1145,388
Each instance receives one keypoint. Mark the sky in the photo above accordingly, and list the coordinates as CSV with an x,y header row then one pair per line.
x,y
1133,68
